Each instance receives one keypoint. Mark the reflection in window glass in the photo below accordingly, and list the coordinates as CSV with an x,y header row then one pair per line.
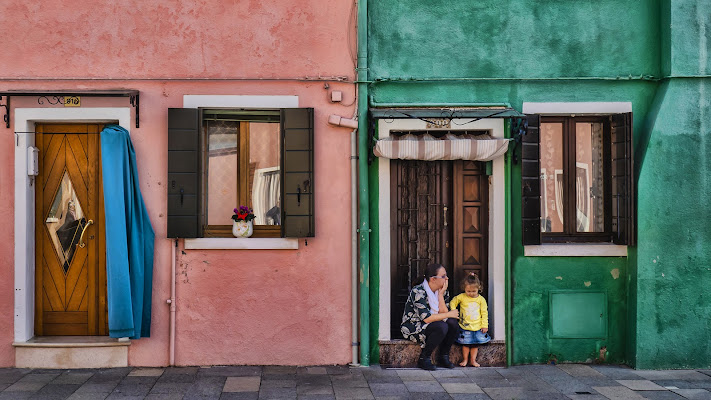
x,y
222,144
65,222
552,182
264,177
589,184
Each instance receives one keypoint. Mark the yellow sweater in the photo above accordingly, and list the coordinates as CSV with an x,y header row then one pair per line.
x,y
473,312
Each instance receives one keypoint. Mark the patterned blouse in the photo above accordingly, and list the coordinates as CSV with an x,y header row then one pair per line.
x,y
417,309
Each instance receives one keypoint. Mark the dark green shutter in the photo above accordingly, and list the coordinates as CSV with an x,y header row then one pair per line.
x,y
184,173
531,182
623,198
297,179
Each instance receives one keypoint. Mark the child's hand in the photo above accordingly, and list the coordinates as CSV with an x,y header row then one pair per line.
x,y
485,330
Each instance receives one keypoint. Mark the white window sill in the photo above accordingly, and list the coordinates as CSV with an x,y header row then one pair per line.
x,y
575,250
242,244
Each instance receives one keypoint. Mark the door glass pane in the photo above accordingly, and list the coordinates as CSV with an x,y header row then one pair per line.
x,y
65,222
589,184
222,143
552,182
264,173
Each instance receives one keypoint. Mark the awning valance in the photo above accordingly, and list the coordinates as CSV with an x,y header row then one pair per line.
x,y
449,147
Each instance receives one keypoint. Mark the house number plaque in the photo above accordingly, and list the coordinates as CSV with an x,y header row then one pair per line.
x,y
72,101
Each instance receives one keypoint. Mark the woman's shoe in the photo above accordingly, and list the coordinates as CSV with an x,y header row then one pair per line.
x,y
426,364
443,361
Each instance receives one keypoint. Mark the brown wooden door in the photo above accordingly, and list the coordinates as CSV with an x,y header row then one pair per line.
x,y
471,222
70,268
420,223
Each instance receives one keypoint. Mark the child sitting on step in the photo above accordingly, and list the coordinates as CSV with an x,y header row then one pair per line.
x,y
473,319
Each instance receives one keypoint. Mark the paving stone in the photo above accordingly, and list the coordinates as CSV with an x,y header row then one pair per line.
x,y
601,381
242,384
587,397
617,392
39,378
55,392
322,380
423,386
694,394
232,370
464,379
493,383
388,389
314,389
705,372
279,377
146,372
205,387
415,375
382,376
701,385
139,380
132,389
119,396
448,373
239,396
579,370
348,381
21,386
12,375
15,395
677,384
88,396
162,396
339,369
544,371
506,393
685,375
73,378
470,396
278,393
279,370
97,388
352,393
278,383
177,378
482,374
170,388
316,397
462,388
180,371
616,371
316,370
640,384
661,395
429,396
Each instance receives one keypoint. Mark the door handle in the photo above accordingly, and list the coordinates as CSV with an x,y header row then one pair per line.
x,y
83,231
445,215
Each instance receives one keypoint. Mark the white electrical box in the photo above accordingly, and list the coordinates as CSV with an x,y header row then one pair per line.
x,y
32,161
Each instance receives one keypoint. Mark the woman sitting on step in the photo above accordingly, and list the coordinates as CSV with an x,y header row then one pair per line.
x,y
428,321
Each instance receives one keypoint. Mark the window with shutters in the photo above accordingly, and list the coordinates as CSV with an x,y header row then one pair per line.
x,y
577,180
220,159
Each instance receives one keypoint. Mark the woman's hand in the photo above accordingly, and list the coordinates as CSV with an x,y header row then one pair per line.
x,y
485,330
444,287
453,314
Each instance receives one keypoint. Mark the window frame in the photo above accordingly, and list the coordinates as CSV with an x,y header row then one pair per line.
x,y
242,167
569,234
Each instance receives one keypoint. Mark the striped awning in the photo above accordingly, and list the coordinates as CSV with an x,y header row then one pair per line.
x,y
449,147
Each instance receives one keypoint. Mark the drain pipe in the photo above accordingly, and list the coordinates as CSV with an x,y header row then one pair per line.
x,y
354,246
364,212
171,302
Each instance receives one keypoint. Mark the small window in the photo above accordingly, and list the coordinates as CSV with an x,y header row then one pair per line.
x,y
577,181
219,159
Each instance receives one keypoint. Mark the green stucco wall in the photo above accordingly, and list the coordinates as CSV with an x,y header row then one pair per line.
x,y
653,54
673,276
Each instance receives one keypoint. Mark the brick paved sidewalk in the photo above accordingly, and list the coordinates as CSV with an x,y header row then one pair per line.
x,y
566,381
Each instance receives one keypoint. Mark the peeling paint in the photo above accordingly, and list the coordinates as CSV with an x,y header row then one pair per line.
x,y
615,273
587,283
559,278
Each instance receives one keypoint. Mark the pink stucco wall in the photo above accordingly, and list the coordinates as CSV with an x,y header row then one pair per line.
x,y
233,307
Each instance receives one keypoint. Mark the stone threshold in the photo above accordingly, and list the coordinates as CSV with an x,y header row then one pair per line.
x,y
69,352
404,353
73,341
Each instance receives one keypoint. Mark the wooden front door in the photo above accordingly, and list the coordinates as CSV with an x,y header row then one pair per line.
x,y
70,264
439,215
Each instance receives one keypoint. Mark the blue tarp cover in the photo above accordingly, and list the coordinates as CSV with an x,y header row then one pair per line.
x,y
129,238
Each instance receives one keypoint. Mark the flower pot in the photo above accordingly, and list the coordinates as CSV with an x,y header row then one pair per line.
x,y
242,229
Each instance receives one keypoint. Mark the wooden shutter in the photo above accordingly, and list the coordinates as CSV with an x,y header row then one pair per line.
x,y
531,182
184,173
623,199
297,179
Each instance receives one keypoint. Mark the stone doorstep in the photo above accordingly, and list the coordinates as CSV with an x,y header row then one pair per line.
x,y
404,353
68,352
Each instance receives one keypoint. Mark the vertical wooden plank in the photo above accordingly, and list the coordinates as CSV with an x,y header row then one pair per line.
x,y
100,229
39,232
92,151
243,166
